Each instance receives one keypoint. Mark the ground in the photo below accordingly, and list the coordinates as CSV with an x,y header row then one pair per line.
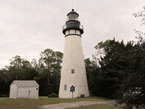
x,y
44,103
74,104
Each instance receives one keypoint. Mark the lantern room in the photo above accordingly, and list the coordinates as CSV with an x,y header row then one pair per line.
x,y
72,23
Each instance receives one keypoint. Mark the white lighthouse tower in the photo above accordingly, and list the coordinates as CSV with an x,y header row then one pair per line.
x,y
73,81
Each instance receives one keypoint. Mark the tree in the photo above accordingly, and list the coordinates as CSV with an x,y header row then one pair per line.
x,y
47,57
18,62
4,90
112,66
21,69
141,14
133,86
122,72
140,35
92,70
49,68
34,64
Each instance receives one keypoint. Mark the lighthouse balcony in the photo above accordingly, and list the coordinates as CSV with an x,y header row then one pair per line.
x,y
72,27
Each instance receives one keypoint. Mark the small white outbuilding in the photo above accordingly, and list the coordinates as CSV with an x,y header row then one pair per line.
x,y
24,89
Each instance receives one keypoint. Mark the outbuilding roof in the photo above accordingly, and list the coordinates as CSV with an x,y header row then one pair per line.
x,y
25,83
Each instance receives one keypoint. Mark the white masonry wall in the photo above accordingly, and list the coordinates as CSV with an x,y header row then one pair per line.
x,y
73,59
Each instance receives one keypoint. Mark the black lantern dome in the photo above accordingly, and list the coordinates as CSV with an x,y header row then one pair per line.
x,y
72,22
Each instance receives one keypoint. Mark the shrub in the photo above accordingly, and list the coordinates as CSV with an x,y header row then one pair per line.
x,y
82,96
53,95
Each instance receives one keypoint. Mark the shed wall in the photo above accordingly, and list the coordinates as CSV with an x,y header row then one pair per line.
x,y
28,92
13,91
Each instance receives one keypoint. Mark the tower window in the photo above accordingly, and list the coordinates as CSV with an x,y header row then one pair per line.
x,y
72,70
65,87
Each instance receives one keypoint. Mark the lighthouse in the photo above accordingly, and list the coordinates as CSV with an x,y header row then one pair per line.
x,y
73,81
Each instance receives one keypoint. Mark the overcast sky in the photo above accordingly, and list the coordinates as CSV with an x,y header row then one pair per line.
x,y
27,27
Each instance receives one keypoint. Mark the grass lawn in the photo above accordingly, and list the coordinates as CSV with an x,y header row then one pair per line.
x,y
34,103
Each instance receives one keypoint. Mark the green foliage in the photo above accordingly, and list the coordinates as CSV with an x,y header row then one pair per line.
x,y
141,14
82,96
92,74
49,68
53,95
112,65
122,72
18,62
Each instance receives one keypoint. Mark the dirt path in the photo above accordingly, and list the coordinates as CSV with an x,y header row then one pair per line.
x,y
70,105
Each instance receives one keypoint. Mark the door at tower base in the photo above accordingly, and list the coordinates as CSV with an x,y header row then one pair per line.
x,y
73,82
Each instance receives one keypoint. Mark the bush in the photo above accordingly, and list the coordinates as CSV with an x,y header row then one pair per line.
x,y
81,96
53,95
3,95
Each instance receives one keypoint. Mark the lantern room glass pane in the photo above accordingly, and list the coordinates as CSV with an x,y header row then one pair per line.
x,y
73,16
